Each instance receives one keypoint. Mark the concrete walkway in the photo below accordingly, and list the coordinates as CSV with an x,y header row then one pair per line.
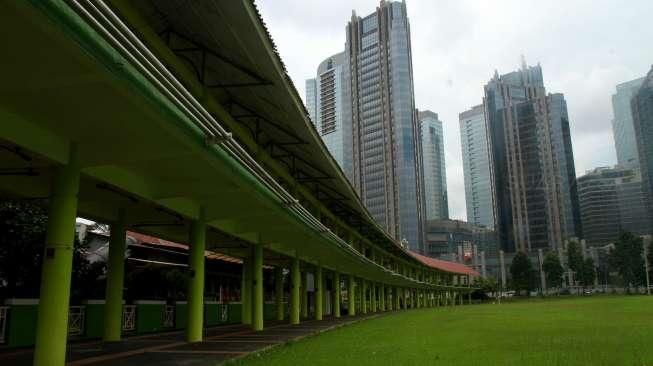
x,y
163,349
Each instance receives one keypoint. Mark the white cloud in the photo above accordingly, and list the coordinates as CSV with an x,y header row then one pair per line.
x,y
585,48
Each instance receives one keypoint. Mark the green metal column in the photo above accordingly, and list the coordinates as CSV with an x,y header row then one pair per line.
x,y
324,293
395,298
469,298
351,296
363,296
382,296
278,291
246,292
257,294
389,298
412,298
336,294
296,282
115,280
319,290
304,296
52,324
196,282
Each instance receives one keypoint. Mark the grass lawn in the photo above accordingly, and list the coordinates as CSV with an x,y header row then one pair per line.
x,y
576,331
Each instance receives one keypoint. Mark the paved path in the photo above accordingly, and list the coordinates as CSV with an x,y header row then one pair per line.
x,y
163,349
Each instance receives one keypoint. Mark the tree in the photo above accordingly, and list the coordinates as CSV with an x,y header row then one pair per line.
x,y
574,258
22,228
487,285
553,269
521,270
587,273
85,275
627,258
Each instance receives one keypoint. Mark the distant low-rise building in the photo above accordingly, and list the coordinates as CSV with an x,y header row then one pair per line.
x,y
463,242
612,199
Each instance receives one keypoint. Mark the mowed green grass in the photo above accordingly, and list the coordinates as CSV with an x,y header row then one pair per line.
x,y
577,331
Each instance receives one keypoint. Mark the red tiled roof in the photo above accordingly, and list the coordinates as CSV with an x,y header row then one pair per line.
x,y
446,266
170,244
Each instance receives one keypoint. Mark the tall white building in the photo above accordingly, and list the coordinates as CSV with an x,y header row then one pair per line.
x,y
622,124
327,101
476,166
435,176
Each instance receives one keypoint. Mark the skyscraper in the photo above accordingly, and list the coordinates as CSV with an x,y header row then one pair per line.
x,y
622,123
436,202
328,103
386,144
526,161
642,109
476,166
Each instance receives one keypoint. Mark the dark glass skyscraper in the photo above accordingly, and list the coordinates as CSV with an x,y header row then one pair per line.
x,y
386,136
561,139
531,162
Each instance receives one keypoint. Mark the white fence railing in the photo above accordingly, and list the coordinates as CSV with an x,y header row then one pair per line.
x,y
4,310
128,318
169,316
76,320
224,312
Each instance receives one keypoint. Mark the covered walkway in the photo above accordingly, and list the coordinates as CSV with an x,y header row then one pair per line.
x,y
177,119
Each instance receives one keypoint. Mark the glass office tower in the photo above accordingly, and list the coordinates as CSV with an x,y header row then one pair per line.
x,y
622,123
564,154
526,158
436,202
479,199
386,152
642,108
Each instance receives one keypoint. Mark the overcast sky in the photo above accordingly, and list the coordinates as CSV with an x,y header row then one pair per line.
x,y
585,48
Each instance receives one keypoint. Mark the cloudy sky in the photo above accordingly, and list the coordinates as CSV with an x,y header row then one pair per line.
x,y
585,48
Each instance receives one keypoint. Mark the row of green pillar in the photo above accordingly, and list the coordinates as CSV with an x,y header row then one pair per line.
x,y
52,325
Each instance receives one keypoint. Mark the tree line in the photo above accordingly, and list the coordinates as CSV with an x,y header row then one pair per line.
x,y
626,258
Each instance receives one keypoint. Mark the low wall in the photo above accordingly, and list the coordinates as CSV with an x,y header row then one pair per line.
x,y
22,315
